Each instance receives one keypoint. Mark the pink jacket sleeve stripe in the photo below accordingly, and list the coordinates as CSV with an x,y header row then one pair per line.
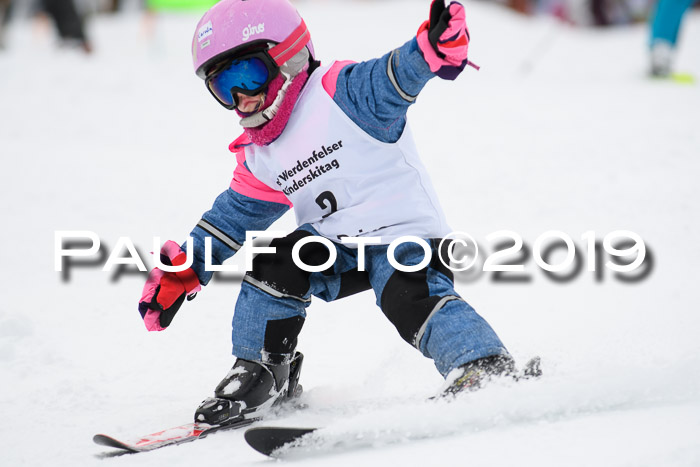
x,y
330,79
245,183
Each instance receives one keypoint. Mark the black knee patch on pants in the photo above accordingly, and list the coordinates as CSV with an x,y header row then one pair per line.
x,y
278,269
352,282
281,338
406,300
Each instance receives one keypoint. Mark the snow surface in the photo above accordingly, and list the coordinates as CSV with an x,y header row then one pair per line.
x,y
559,130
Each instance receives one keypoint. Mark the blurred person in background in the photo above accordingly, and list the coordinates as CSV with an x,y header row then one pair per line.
x,y
64,14
664,26
5,7
617,12
68,21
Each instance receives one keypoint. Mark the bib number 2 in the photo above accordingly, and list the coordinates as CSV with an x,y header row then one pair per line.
x,y
329,198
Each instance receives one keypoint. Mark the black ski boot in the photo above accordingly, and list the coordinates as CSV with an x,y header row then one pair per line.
x,y
474,375
249,389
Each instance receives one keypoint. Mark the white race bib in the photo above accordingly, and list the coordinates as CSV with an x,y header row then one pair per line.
x,y
343,181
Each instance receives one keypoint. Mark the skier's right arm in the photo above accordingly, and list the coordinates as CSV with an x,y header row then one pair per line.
x,y
247,204
226,224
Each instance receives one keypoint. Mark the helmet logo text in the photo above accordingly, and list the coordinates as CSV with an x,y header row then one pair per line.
x,y
251,30
204,31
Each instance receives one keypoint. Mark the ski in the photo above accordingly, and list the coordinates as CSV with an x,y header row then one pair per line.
x,y
172,436
268,440
277,441
682,78
677,77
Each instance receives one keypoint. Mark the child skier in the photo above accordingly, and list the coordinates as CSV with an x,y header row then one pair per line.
x,y
333,142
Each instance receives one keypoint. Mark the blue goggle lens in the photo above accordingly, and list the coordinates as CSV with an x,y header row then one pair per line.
x,y
246,76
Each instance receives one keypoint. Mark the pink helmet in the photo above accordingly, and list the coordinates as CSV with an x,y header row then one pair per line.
x,y
231,26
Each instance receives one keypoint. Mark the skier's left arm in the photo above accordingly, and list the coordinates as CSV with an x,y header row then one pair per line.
x,y
376,93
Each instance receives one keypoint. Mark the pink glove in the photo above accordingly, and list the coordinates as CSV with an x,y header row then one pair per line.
x,y
164,292
444,40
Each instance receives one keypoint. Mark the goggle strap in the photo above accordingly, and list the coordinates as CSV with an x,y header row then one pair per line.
x,y
291,45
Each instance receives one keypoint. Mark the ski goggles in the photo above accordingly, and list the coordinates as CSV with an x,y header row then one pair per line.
x,y
248,74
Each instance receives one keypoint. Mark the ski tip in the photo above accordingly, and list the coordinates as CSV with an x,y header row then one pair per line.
x,y
104,440
683,78
268,440
678,78
533,368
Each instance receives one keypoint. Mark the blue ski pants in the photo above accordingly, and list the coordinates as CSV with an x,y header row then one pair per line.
x,y
666,20
423,305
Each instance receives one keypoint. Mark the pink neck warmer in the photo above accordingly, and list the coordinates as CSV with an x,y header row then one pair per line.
x,y
270,131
